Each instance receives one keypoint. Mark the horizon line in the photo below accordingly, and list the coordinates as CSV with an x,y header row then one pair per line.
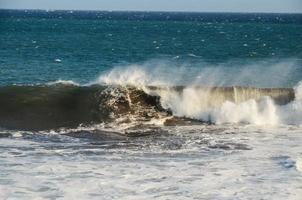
x,y
150,11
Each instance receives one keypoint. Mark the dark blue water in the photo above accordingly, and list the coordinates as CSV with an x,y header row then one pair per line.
x,y
41,46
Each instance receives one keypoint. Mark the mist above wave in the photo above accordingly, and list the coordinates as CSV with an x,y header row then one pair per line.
x,y
267,73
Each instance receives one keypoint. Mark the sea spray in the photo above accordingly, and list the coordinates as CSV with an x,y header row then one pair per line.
x,y
253,105
219,105
292,112
281,73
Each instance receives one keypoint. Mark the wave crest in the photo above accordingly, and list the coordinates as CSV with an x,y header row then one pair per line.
x,y
252,105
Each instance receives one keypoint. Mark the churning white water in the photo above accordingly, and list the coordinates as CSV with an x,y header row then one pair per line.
x,y
195,103
191,162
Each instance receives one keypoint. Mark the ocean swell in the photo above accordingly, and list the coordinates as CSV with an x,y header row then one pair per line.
x,y
69,106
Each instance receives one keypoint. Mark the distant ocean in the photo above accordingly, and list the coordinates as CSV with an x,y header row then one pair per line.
x,y
150,105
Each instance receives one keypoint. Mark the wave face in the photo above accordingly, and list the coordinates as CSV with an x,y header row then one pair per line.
x,y
45,107
56,106
67,106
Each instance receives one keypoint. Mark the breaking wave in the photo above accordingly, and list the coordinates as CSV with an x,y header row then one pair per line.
x,y
224,104
57,106
134,97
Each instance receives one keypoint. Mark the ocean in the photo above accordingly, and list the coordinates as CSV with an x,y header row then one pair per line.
x,y
150,105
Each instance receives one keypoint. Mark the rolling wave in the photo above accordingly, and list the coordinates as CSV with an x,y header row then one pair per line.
x,y
62,105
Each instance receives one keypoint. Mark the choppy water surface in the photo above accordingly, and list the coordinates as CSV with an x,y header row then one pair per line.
x,y
196,162
123,105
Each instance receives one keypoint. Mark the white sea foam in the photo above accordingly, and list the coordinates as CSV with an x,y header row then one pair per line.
x,y
299,164
3,193
63,82
194,104
191,103
192,162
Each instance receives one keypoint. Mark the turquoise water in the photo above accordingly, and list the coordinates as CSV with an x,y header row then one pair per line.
x,y
40,46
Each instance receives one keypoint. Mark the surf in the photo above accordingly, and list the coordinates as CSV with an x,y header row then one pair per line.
x,y
59,105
